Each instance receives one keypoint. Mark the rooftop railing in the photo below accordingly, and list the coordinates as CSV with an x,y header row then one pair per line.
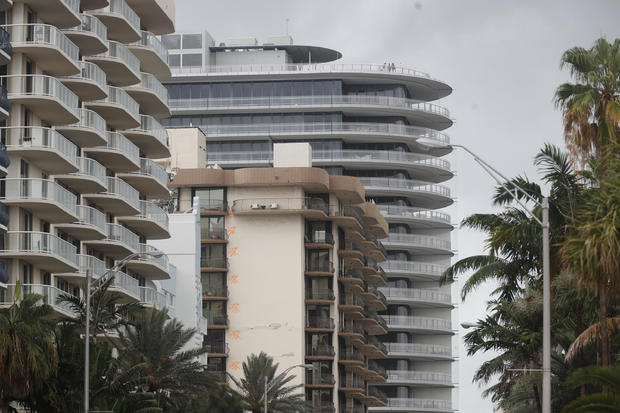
x,y
423,241
39,242
414,213
43,34
39,189
121,8
151,41
18,137
405,184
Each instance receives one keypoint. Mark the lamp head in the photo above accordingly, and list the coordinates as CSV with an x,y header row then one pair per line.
x,y
468,325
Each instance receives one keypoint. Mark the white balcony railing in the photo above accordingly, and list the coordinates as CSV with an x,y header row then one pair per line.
x,y
50,295
91,168
39,189
149,125
151,211
17,137
120,7
430,350
122,189
152,297
39,243
119,233
414,240
126,283
414,213
120,52
405,184
118,96
121,144
42,34
91,24
422,323
153,42
148,167
92,72
90,120
94,264
41,86
413,268
415,294
91,216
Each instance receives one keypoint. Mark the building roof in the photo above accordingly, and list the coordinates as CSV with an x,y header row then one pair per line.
x,y
298,53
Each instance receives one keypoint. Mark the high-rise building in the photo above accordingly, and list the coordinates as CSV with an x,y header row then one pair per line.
x,y
81,94
364,121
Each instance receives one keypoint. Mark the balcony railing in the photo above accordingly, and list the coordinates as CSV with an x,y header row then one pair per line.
x,y
5,103
94,264
5,42
217,347
121,144
416,348
349,381
318,378
355,273
415,294
91,24
320,294
121,234
148,249
322,407
120,52
423,377
92,72
320,322
153,42
150,82
414,213
118,96
213,205
126,283
352,300
413,268
41,85
422,323
152,297
120,188
151,211
325,350
351,327
50,295
121,8
320,237
5,160
380,157
39,243
377,368
150,125
209,262
217,319
91,168
43,34
373,341
420,404
332,128
274,204
39,189
90,120
414,240
91,216
208,291
319,266
18,137
148,167
406,184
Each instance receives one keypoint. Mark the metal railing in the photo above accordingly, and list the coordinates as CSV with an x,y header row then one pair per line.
x,y
412,267
349,299
151,168
417,348
414,213
215,291
337,128
118,96
43,34
209,233
273,204
148,249
350,381
211,262
405,184
149,40
153,212
320,378
17,137
49,294
90,71
339,155
415,294
217,319
119,233
91,216
320,294
150,82
352,273
377,368
5,42
41,85
373,341
415,240
320,100
423,323
122,189
416,404
91,24
152,297
319,266
120,52
326,350
39,189
88,262
39,243
91,168
121,8
74,5
120,143
126,283
90,119
398,376
320,237
351,327
322,407
217,348
320,322
150,126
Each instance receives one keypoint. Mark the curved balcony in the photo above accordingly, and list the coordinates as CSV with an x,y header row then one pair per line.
x,y
418,83
153,55
348,131
417,297
149,267
156,15
6,48
61,13
119,154
415,405
151,179
374,324
415,217
94,4
123,23
419,324
422,194
419,378
43,147
48,46
150,137
90,225
151,298
127,286
151,95
418,244
426,115
374,298
151,222
89,84
89,131
120,65
46,96
46,251
118,109
308,207
90,36
412,269
44,198
118,243
120,198
85,262
416,351
50,296
90,178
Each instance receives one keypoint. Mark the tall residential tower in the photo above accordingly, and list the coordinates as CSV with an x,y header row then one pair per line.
x,y
364,121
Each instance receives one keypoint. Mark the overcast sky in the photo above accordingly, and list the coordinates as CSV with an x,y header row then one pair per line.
x,y
501,58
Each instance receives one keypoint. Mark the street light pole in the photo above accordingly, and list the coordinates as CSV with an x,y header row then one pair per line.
x,y
544,223
268,387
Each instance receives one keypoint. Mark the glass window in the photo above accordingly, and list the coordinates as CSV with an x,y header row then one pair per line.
x,y
193,59
172,41
212,228
174,60
213,284
211,199
192,41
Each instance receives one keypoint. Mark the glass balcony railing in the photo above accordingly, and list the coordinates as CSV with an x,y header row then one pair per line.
x,y
92,169
153,42
421,377
428,350
50,296
43,34
121,144
150,82
39,189
94,264
319,266
117,96
153,212
413,268
119,233
126,283
217,319
148,249
91,72
150,126
121,8
91,24
213,262
422,323
39,243
320,294
320,322
414,294
334,128
414,240
319,237
90,120
414,213
273,204
36,137
405,184
91,216
120,52
148,167
122,189
209,291
5,42
39,86
427,405
151,297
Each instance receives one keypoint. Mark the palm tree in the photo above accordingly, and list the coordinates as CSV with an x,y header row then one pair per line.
x,y
605,377
282,398
591,106
156,343
27,353
219,399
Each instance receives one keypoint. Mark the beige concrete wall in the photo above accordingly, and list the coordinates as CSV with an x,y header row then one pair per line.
x,y
188,149
292,155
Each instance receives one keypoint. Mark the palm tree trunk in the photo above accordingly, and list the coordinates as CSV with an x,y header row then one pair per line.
x,y
603,320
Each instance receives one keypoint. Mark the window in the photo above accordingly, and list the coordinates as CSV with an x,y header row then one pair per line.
x,y
192,41
318,260
213,255
213,284
192,60
174,60
212,228
172,41
211,199
319,232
